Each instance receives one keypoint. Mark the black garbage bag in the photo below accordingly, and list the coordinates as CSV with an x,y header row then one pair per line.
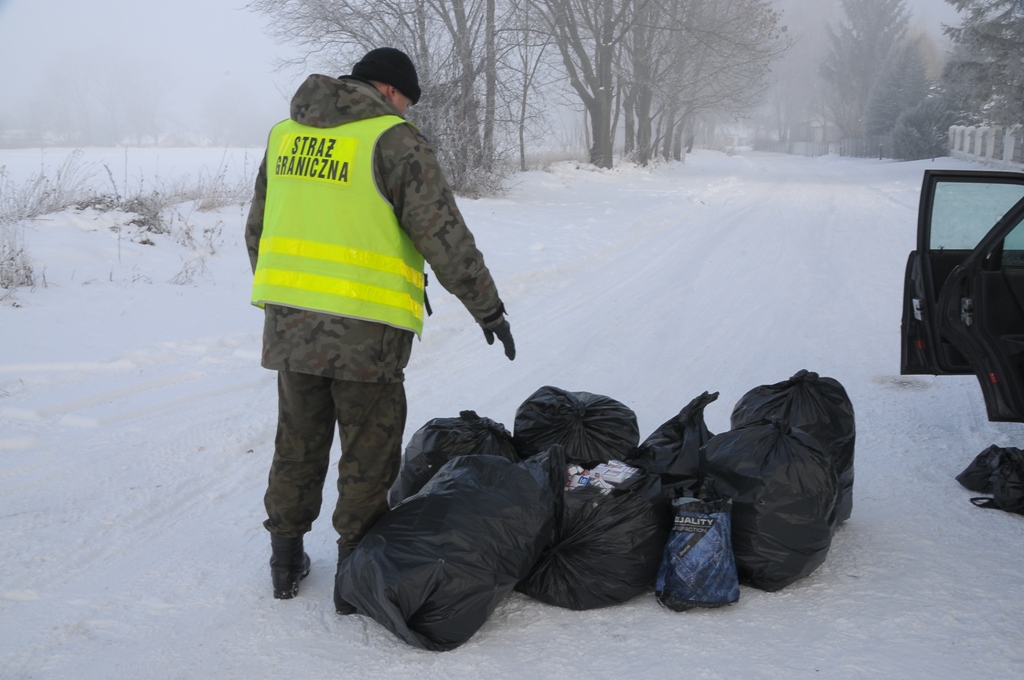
x,y
589,426
977,476
673,450
698,568
606,547
998,471
442,439
783,489
820,407
432,569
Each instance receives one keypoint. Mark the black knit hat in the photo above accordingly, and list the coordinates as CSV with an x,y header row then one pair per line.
x,y
392,67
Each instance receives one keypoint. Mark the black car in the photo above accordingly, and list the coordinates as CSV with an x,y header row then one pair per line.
x,y
963,294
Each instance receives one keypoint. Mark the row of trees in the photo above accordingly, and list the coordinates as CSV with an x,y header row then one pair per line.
x,y
644,74
491,69
876,80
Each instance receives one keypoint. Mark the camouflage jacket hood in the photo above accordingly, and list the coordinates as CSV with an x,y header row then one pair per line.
x,y
409,177
322,101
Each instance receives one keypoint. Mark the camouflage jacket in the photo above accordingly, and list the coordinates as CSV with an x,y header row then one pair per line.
x,y
407,174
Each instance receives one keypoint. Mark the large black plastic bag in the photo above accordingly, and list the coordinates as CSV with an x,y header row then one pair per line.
x,y
590,426
442,439
432,569
818,406
698,568
998,471
783,489
606,547
977,476
673,450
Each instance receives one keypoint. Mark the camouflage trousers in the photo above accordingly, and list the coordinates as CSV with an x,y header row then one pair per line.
x,y
370,419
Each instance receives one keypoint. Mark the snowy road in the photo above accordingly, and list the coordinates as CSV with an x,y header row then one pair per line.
x,y
136,430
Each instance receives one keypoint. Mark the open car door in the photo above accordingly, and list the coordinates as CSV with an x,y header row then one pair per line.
x,y
963,296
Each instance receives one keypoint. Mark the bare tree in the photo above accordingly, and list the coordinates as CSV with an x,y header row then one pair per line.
x,y
589,35
644,51
524,56
336,32
484,65
452,42
692,58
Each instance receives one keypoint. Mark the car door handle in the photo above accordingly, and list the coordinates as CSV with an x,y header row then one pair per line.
x,y
916,304
967,311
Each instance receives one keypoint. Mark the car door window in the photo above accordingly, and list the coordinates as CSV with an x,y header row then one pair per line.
x,y
962,213
1013,247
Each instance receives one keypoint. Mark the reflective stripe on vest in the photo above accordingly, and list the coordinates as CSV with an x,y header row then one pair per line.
x,y
331,243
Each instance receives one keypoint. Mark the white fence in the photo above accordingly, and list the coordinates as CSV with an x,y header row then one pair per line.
x,y
994,144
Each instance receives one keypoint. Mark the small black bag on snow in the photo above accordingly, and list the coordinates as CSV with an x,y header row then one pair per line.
x,y
442,439
977,476
673,450
783,490
820,407
606,548
698,568
433,569
998,471
589,426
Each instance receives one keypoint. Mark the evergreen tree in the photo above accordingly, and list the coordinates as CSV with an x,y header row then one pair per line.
x,y
923,131
900,87
988,64
857,50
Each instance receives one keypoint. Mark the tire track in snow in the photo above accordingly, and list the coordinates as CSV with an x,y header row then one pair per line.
x,y
180,503
193,401
111,409
49,399
729,250
118,394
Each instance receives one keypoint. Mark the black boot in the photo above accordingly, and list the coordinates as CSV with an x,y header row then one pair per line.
x,y
343,607
288,565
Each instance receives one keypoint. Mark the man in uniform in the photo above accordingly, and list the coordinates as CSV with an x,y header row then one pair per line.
x,y
349,203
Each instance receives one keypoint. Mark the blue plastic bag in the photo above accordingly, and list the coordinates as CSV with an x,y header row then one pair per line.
x,y
698,568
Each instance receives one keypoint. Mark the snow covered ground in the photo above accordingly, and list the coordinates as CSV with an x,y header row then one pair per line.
x,y
136,430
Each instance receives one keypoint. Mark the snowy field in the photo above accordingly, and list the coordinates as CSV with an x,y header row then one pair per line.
x,y
136,430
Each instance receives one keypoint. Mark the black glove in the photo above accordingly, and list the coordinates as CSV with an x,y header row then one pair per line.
x,y
504,334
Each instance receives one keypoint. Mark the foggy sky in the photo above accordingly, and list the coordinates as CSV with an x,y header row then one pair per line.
x,y
932,12
202,59
197,54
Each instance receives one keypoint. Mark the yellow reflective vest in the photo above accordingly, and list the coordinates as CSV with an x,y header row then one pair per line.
x,y
331,242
